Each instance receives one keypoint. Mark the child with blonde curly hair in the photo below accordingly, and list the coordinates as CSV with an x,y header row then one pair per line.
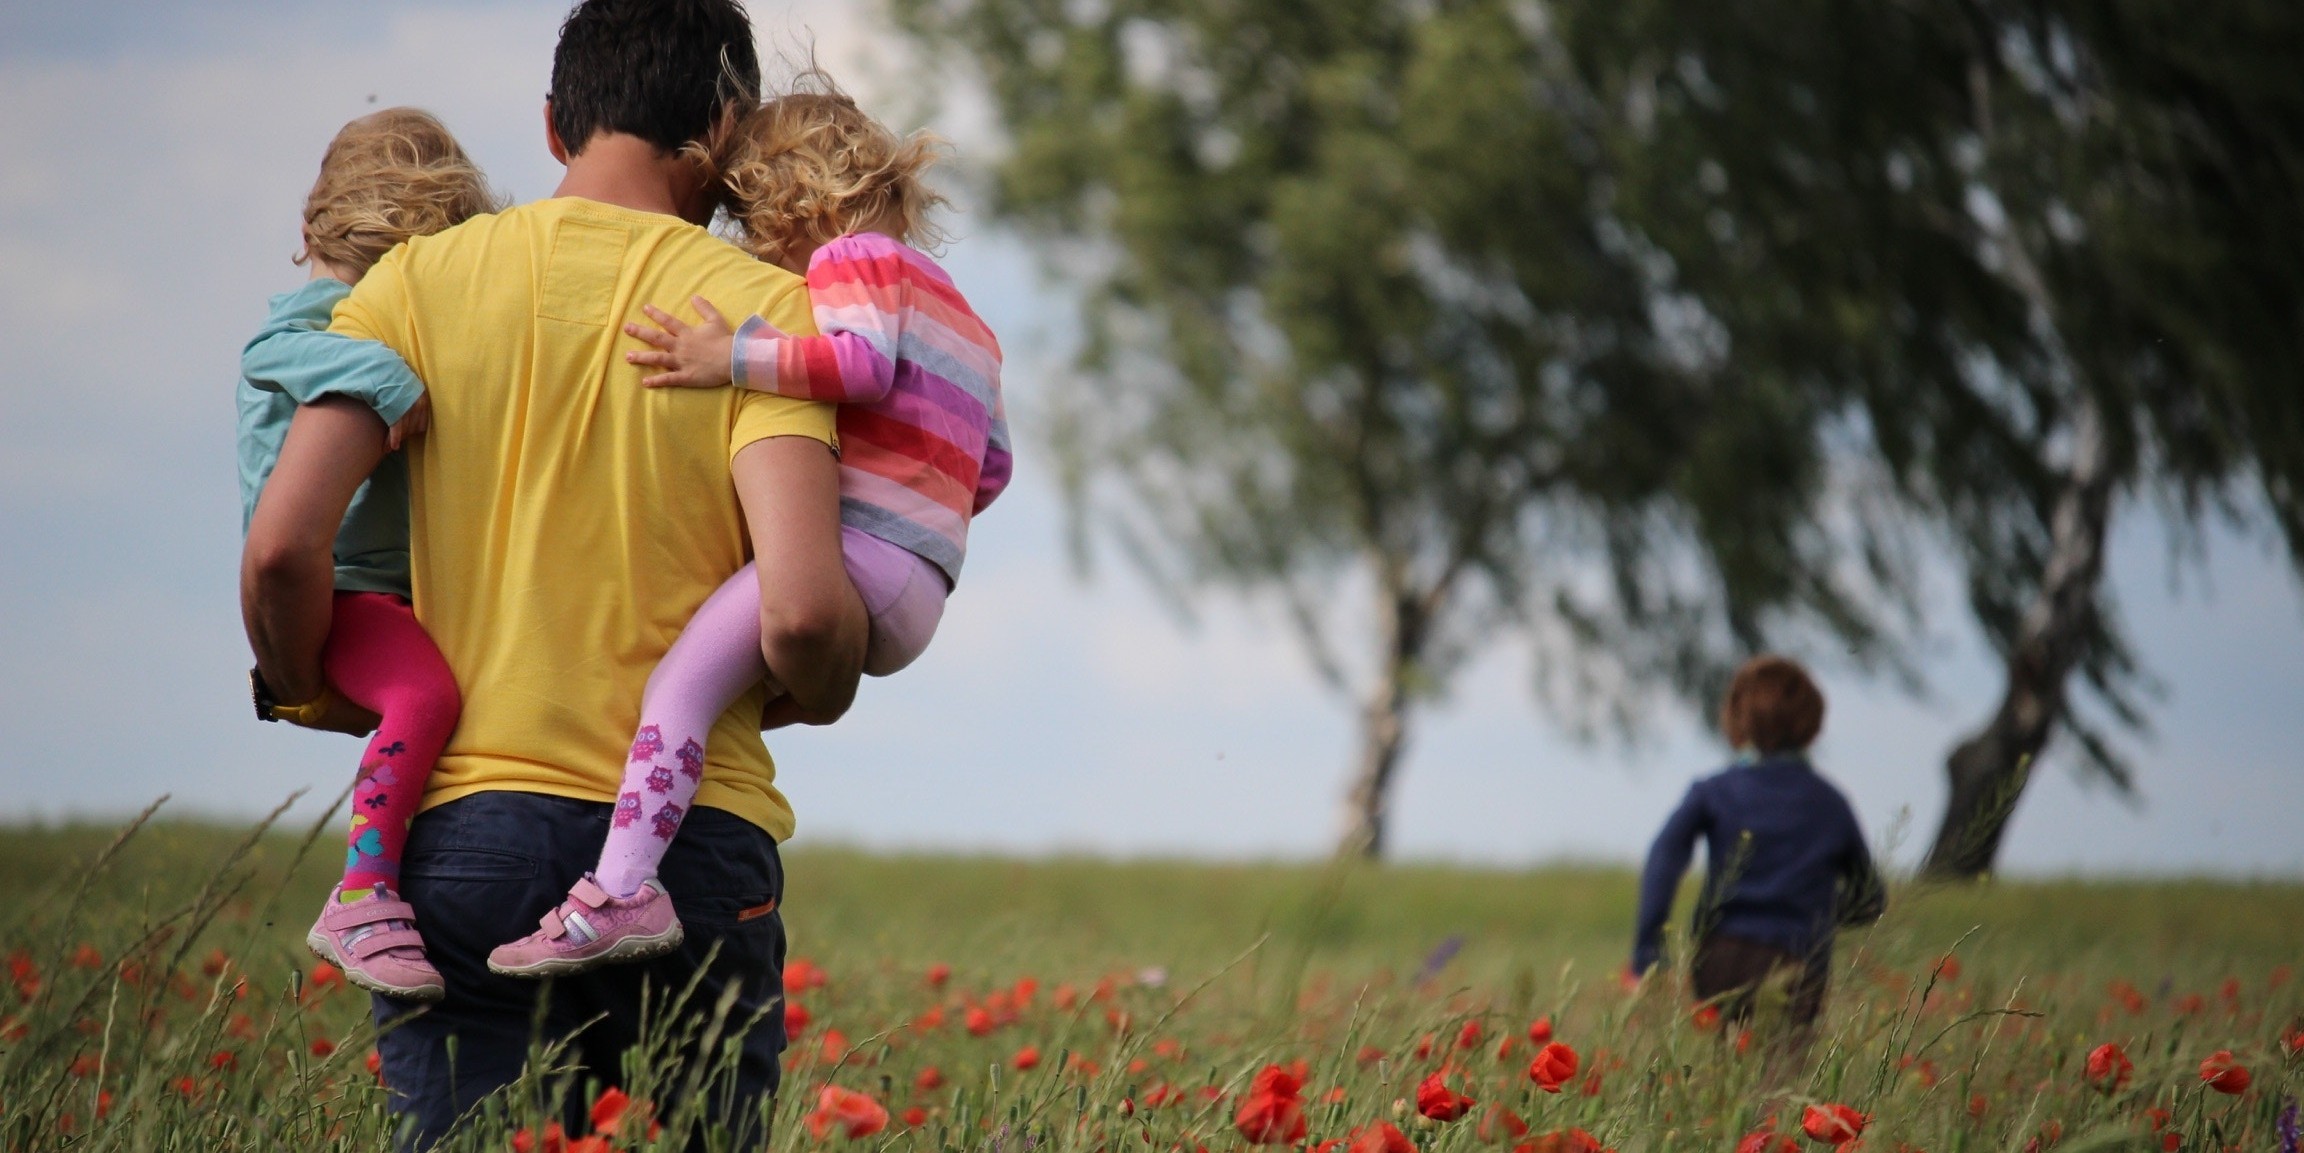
x,y
821,189
385,178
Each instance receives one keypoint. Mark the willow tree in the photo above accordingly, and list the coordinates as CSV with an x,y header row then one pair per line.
x,y
2061,249
1366,336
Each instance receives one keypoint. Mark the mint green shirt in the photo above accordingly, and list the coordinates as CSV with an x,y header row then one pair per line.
x,y
295,360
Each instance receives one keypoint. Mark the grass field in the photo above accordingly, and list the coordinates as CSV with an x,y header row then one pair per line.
x,y
162,1000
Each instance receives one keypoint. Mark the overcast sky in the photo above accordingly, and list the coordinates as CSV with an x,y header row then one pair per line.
x,y
152,160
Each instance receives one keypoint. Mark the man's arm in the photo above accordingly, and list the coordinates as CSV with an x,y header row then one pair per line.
x,y
812,624
288,566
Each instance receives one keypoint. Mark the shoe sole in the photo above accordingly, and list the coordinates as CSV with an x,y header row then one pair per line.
x,y
624,950
425,993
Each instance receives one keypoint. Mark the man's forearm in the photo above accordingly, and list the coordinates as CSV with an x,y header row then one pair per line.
x,y
820,665
812,623
288,566
286,603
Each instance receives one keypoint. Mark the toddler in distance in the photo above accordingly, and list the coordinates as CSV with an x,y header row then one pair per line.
x,y
1785,862
385,178
822,190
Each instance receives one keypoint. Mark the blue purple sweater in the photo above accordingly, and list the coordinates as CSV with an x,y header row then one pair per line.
x,y
1785,862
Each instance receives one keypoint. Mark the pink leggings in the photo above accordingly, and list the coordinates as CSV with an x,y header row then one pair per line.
x,y
716,659
383,661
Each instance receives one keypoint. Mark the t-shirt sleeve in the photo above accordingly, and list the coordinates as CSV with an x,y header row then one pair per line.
x,y
377,309
760,415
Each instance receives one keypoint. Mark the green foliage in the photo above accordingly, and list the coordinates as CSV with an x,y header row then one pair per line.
x,y
1157,977
1655,327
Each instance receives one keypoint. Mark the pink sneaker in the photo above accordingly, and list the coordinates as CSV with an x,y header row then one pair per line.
x,y
374,940
590,929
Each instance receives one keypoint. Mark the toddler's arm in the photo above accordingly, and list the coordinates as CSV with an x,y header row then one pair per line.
x,y
295,353
861,289
1667,862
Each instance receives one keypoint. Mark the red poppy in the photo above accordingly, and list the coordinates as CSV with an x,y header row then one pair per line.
x,y
1767,1141
1540,1031
938,974
1501,1123
2109,1068
853,1114
796,1018
1273,1114
915,1117
1168,1047
2223,1073
2292,1041
613,1107
1948,969
86,957
1832,1124
978,1020
555,1140
1436,1100
86,1064
931,1017
326,976
1563,1141
1026,1058
1369,1055
2128,997
1469,1036
1554,1065
375,1063
323,1047
1381,1137
1067,996
223,1059
929,1080
1706,1018
1424,1047
801,975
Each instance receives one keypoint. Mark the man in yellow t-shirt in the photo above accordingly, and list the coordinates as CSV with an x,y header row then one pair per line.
x,y
565,524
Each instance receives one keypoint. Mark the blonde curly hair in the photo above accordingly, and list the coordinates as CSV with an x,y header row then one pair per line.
x,y
386,177
809,167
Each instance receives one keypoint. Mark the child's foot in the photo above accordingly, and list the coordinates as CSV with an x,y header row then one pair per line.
x,y
591,928
374,941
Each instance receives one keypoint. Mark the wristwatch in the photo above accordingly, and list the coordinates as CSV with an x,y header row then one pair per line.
x,y
269,708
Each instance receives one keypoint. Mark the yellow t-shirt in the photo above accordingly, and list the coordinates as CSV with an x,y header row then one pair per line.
x,y
567,522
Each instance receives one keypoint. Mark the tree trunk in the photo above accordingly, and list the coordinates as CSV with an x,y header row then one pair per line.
x,y
1383,732
1988,771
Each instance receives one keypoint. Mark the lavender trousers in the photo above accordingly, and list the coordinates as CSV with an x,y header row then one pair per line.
x,y
716,659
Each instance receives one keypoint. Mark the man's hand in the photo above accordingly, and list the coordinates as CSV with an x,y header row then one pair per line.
x,y
415,422
784,712
288,566
697,355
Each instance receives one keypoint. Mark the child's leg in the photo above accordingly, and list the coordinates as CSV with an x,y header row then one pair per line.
x,y
715,660
903,594
381,659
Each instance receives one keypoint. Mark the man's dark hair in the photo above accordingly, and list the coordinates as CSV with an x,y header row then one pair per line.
x,y
661,70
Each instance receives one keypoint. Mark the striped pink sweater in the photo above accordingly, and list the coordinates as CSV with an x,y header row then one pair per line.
x,y
923,436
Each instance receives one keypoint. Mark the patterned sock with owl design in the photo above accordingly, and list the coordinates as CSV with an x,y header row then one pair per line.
x,y
715,661
380,658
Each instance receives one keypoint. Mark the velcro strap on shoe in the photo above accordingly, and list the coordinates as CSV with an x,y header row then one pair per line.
x,y
590,894
377,942
368,912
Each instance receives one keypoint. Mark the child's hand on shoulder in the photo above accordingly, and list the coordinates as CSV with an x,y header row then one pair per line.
x,y
693,355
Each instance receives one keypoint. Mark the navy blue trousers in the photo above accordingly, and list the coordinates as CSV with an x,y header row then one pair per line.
x,y
481,870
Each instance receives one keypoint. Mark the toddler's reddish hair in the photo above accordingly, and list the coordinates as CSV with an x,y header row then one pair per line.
x,y
1773,706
